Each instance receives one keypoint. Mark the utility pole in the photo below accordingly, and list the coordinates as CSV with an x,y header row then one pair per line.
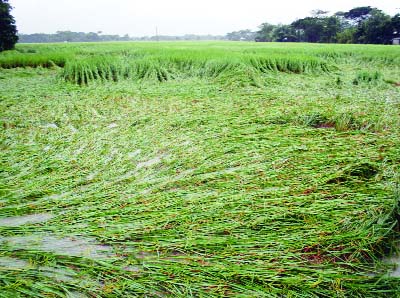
x,y
157,34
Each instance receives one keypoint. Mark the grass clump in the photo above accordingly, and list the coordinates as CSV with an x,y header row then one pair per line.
x,y
316,120
290,64
83,71
340,121
367,77
13,59
360,171
163,68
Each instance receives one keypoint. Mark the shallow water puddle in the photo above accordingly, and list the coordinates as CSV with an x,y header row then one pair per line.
x,y
154,256
134,153
73,129
60,274
131,268
54,198
395,260
76,295
50,125
13,263
113,125
16,221
149,163
79,247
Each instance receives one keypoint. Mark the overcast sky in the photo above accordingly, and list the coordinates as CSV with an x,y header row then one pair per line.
x,y
172,17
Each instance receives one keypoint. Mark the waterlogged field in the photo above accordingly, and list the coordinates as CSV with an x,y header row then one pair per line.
x,y
199,170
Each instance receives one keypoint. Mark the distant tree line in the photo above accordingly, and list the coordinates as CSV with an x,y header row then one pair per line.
x,y
69,36
364,25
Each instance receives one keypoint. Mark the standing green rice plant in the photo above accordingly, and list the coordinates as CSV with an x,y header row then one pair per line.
x,y
367,77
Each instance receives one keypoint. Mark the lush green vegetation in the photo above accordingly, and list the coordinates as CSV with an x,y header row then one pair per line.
x,y
360,25
199,170
70,36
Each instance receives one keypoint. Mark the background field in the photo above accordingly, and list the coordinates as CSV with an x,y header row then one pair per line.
x,y
199,170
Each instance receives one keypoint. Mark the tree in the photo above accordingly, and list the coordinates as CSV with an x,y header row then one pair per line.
x,y
358,14
396,25
320,28
318,13
363,24
265,33
8,30
284,33
243,35
346,36
332,26
311,28
376,29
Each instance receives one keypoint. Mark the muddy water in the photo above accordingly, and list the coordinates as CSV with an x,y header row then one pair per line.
x,y
79,247
57,274
149,163
75,295
17,221
394,260
60,274
13,263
